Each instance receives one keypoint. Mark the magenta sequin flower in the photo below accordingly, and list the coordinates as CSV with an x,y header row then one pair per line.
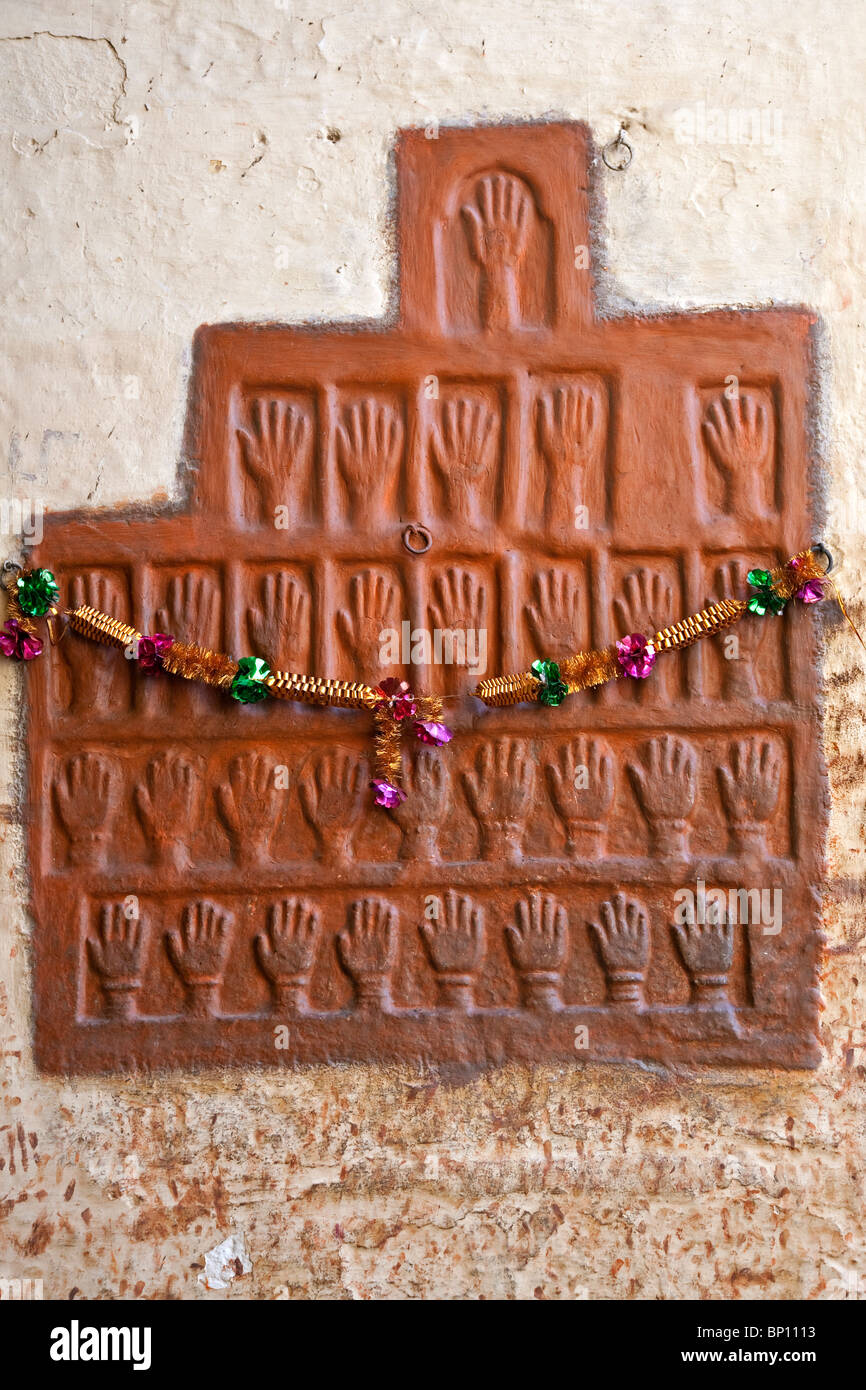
x,y
17,642
431,731
636,655
151,650
387,794
811,592
396,696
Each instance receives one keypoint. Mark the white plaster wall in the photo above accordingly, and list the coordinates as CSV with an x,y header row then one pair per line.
x,y
167,164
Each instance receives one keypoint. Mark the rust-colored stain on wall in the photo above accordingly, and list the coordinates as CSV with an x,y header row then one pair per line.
x,y
210,883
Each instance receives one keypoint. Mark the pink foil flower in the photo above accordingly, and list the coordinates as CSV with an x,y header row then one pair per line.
x,y
396,696
811,592
636,655
430,731
17,642
387,794
151,650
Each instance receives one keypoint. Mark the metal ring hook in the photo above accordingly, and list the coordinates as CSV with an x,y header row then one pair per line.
x,y
410,532
625,159
820,549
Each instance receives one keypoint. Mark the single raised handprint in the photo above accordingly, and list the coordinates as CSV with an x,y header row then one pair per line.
x,y
279,624
251,805
191,613
538,944
191,609
738,433
286,952
707,949
199,953
739,663
581,782
117,956
94,671
554,614
463,450
427,781
369,450
646,604
366,623
499,792
497,222
622,936
274,447
570,422
458,613
85,795
749,784
454,937
368,949
331,790
169,805
664,777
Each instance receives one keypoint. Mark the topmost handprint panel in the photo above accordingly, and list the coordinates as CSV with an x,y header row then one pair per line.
x,y
498,406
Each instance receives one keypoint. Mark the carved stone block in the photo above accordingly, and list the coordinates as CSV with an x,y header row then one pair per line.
x,y
210,884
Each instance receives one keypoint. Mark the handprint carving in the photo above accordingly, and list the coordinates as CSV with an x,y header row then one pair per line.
x,y
454,939
499,793
739,436
274,449
426,781
739,674
459,606
191,613
664,778
94,670
199,953
570,424
554,615
538,944
85,795
279,624
749,785
116,954
330,791
368,949
286,952
463,449
707,950
646,604
169,806
372,609
581,783
622,937
497,223
191,610
251,805
369,449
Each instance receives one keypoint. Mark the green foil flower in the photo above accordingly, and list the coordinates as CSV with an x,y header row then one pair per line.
x,y
248,685
37,592
765,600
553,688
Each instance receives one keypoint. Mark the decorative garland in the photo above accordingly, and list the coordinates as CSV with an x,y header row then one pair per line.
x,y
396,709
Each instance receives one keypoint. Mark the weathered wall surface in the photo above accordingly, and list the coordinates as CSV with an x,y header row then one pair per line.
x,y
166,164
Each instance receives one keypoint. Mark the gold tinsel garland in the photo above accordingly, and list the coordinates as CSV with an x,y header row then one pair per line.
x,y
580,671
586,669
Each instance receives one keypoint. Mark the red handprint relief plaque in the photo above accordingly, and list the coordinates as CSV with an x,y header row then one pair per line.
x,y
629,876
